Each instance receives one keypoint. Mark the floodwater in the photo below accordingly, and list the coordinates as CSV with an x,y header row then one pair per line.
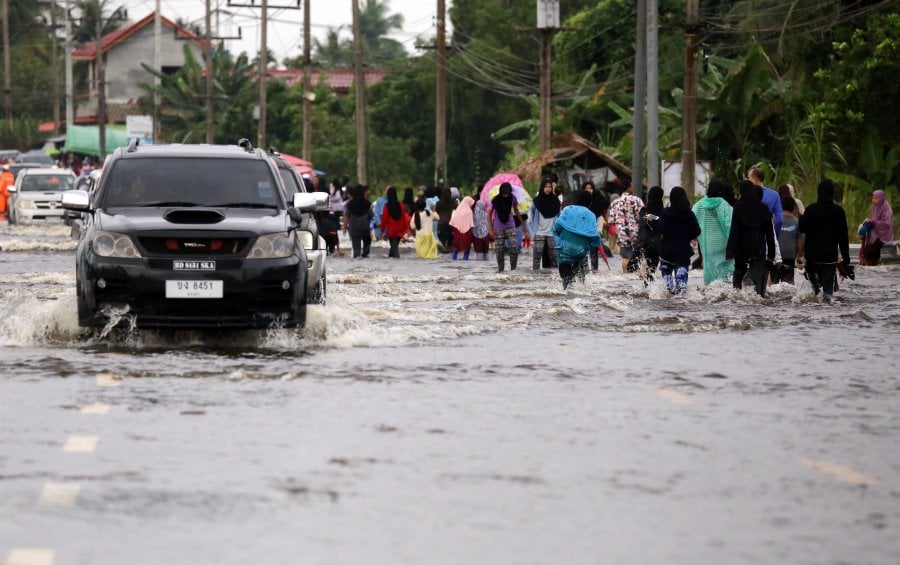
x,y
440,412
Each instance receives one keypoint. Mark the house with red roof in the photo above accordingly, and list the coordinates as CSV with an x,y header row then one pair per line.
x,y
123,51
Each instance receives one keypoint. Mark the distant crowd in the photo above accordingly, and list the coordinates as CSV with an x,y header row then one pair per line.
x,y
760,238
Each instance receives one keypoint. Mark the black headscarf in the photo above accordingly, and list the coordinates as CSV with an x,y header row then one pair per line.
x,y
359,205
826,191
599,203
678,199
502,203
654,201
546,204
445,205
749,209
394,208
409,200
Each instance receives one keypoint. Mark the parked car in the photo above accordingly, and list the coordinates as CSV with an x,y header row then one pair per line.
x,y
36,195
315,245
36,157
191,236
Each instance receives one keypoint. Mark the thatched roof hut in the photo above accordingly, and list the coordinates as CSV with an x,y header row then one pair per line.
x,y
575,150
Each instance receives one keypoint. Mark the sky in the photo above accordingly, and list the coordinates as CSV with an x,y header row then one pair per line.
x,y
285,33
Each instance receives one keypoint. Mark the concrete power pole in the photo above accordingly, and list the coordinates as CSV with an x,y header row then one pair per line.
x,y
54,67
157,64
210,74
689,108
7,80
652,93
307,84
547,25
640,94
101,86
440,98
362,129
263,63
70,98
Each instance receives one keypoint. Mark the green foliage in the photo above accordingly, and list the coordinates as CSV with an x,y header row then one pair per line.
x,y
20,133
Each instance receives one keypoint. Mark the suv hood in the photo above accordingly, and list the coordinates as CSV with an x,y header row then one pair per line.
x,y
247,220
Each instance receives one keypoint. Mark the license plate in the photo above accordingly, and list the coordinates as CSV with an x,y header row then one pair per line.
x,y
194,289
193,265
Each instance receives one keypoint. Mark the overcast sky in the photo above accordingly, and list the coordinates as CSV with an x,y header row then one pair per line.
x,y
285,34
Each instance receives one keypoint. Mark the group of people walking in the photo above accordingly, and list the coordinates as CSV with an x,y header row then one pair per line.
x,y
758,239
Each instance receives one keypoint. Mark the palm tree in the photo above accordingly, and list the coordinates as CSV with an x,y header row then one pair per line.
x,y
375,24
334,51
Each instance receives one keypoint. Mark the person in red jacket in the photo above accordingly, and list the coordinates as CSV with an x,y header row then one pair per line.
x,y
394,222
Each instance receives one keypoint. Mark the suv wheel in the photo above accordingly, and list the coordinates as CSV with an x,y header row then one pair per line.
x,y
317,295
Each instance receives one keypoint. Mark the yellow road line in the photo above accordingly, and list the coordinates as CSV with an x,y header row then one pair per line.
x,y
59,494
841,472
81,444
99,409
30,556
673,396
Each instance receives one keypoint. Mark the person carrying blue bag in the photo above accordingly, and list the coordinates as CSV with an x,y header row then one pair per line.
x,y
575,233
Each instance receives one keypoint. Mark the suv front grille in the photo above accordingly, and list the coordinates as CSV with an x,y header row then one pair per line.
x,y
206,246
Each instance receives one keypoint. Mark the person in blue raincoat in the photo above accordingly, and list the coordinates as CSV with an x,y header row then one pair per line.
x,y
575,233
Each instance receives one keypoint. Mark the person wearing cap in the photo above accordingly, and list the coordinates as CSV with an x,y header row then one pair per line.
x,y
7,179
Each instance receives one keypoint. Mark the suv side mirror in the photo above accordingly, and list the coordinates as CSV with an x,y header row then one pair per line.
x,y
310,201
76,200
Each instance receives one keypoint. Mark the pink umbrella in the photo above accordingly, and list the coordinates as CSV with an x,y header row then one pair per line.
x,y
492,188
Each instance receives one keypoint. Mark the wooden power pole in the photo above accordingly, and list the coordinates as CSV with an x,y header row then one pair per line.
x,y
440,98
307,84
101,86
362,129
207,56
7,80
54,67
689,108
547,25
640,95
263,64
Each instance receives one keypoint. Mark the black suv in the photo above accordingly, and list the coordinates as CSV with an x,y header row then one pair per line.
x,y
191,236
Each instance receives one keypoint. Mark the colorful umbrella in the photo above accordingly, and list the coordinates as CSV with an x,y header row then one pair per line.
x,y
492,188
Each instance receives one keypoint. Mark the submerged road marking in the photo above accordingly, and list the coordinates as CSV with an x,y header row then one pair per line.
x,y
841,472
59,494
100,409
81,444
30,556
673,396
109,379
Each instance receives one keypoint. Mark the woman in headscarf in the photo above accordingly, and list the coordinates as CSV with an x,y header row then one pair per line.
x,y
409,200
678,226
598,206
713,214
504,211
575,232
544,210
357,216
481,231
462,221
422,223
881,229
648,239
751,241
394,222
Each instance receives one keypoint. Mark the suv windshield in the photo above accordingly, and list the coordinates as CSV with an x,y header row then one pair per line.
x,y
180,181
47,183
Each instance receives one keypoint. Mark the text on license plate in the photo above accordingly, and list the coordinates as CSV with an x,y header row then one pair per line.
x,y
194,289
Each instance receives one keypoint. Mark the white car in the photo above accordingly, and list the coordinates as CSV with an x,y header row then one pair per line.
x,y
37,194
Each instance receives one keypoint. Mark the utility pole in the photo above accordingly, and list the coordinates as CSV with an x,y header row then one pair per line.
x,y
101,85
307,84
70,98
689,107
547,24
440,98
263,63
157,64
7,81
652,93
362,129
210,72
640,94
54,67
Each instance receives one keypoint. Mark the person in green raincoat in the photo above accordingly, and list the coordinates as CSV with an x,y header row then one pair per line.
x,y
714,216
575,233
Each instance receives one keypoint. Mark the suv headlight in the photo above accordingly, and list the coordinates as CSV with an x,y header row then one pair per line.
x,y
25,204
306,239
273,246
108,244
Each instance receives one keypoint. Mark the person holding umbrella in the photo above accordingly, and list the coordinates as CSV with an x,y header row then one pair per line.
x,y
504,211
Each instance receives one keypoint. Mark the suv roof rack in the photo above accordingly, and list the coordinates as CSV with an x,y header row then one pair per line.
x,y
133,144
245,143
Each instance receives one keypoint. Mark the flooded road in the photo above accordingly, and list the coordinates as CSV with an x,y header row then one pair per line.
x,y
439,412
